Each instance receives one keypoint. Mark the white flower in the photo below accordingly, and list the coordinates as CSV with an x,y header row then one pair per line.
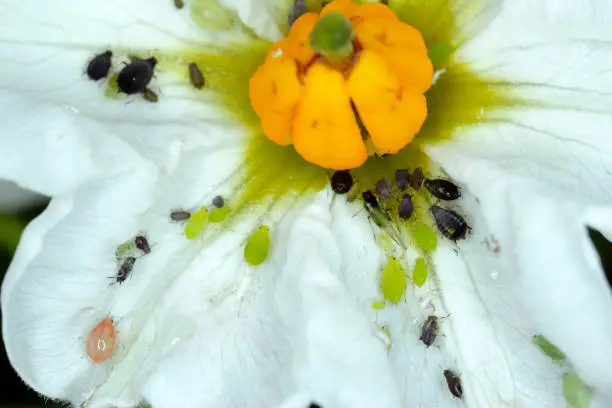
x,y
197,326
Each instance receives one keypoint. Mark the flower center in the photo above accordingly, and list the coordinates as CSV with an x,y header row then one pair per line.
x,y
344,84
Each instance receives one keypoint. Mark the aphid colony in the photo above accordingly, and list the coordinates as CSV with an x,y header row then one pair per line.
x,y
135,76
127,258
450,223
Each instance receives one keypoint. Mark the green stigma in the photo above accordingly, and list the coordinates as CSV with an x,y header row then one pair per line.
x,y
332,37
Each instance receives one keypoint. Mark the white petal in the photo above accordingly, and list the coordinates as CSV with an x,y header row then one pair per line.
x,y
535,170
554,59
557,276
51,140
51,280
286,323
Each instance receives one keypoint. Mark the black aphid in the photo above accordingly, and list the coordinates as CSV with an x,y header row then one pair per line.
x,y
125,269
196,77
370,199
402,178
454,383
429,331
149,95
99,66
416,179
136,75
180,215
383,188
443,189
179,4
314,405
142,243
218,201
341,182
406,207
451,225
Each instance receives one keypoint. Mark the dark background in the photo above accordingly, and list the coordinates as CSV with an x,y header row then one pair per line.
x,y
16,394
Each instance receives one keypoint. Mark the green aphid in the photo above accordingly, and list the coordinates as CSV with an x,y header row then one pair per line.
x,y
425,237
113,86
419,273
124,249
439,53
257,246
576,393
393,280
548,348
387,333
383,221
219,214
378,305
196,223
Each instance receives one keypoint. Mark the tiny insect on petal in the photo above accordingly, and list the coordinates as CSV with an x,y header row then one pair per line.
x,y
548,348
383,188
425,237
196,77
149,95
257,246
387,334
135,76
142,243
443,189
180,215
125,269
419,273
406,207
454,383
402,177
100,342
370,199
576,393
452,225
124,249
219,214
416,179
99,66
378,305
196,223
218,201
429,331
393,280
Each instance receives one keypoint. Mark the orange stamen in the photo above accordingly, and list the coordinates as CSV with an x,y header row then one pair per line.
x,y
303,99
325,131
